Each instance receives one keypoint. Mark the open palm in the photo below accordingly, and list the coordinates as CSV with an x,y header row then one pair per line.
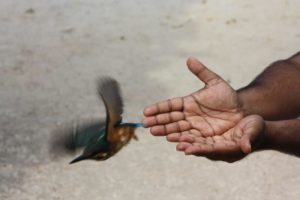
x,y
207,121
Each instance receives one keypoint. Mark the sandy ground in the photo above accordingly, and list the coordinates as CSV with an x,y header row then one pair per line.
x,y
53,51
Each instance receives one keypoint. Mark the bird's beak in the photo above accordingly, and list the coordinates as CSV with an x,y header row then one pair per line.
x,y
79,158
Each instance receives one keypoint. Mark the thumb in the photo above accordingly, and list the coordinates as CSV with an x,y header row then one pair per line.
x,y
246,145
202,72
253,132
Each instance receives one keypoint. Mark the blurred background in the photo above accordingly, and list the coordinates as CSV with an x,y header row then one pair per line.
x,y
51,53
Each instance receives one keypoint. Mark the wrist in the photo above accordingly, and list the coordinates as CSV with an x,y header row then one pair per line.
x,y
267,138
244,98
268,132
261,140
282,136
272,136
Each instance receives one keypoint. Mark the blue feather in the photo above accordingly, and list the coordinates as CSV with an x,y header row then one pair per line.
x,y
131,124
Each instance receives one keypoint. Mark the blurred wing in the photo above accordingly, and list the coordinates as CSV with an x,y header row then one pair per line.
x,y
72,138
85,133
110,93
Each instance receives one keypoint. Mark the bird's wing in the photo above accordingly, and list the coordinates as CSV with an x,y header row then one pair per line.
x,y
110,93
85,133
79,135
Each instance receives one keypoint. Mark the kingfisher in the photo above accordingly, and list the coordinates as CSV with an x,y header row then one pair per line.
x,y
103,139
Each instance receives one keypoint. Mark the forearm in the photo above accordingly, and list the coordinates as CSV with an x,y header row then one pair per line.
x,y
283,136
275,93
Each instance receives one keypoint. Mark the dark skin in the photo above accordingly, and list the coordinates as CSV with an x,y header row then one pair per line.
x,y
283,135
220,123
274,94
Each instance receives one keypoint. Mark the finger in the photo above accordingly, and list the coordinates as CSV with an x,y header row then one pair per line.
x,y
202,72
199,149
173,137
206,146
161,130
182,146
175,104
226,148
225,145
192,136
218,138
217,148
162,119
185,136
246,145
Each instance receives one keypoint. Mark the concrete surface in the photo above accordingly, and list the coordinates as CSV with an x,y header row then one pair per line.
x,y
52,52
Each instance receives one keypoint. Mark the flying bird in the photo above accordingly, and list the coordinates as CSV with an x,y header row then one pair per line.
x,y
103,139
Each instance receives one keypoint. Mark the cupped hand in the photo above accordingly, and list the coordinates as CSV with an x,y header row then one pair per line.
x,y
213,113
230,146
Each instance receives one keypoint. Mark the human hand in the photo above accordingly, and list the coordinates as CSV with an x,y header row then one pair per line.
x,y
213,112
230,146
